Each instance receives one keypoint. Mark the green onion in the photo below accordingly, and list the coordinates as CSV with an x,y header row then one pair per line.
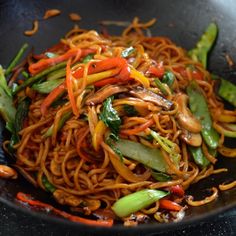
x,y
25,74
161,86
63,119
47,86
137,201
127,52
88,58
168,78
57,74
48,186
50,54
37,77
16,59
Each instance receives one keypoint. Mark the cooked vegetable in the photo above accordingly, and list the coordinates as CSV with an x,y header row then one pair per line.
x,y
104,93
88,58
47,86
161,86
227,91
149,96
110,117
199,53
57,74
229,130
198,156
160,176
7,109
150,157
199,108
169,205
137,201
3,82
62,121
168,78
38,77
127,52
17,58
130,110
48,186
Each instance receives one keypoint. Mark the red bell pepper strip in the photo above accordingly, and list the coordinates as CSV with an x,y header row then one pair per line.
x,y
69,85
157,71
51,98
177,190
28,199
107,64
169,205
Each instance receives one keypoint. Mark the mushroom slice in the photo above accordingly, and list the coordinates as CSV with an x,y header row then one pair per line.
x,y
184,116
193,139
149,96
104,93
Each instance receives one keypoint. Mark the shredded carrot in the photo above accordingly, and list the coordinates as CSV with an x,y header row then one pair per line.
x,y
34,29
51,98
69,85
50,13
28,199
137,129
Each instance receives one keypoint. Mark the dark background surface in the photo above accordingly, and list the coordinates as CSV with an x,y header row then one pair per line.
x,y
183,21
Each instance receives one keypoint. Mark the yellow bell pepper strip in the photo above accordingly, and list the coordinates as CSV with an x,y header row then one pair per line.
x,y
138,76
99,132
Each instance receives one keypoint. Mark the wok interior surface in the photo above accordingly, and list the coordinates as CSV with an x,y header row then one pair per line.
x,y
183,22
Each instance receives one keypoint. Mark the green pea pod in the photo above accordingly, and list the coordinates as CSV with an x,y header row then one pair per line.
x,y
199,108
199,53
198,156
227,91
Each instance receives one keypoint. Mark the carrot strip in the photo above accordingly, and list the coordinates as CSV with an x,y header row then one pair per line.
x,y
169,205
69,85
28,199
51,98
137,129
45,63
106,81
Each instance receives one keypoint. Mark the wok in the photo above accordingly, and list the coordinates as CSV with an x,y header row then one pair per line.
x,y
182,21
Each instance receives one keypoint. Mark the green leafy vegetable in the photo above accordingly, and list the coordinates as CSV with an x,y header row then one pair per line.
x,y
199,53
127,52
3,82
168,78
130,110
110,117
50,54
47,86
137,201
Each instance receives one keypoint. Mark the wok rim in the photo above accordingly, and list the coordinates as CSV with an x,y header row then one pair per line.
x,y
119,228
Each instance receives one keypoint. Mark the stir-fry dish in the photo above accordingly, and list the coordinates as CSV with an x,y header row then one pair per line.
x,y
117,127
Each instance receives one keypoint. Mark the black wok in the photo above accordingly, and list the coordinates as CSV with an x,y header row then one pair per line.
x,y
182,21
